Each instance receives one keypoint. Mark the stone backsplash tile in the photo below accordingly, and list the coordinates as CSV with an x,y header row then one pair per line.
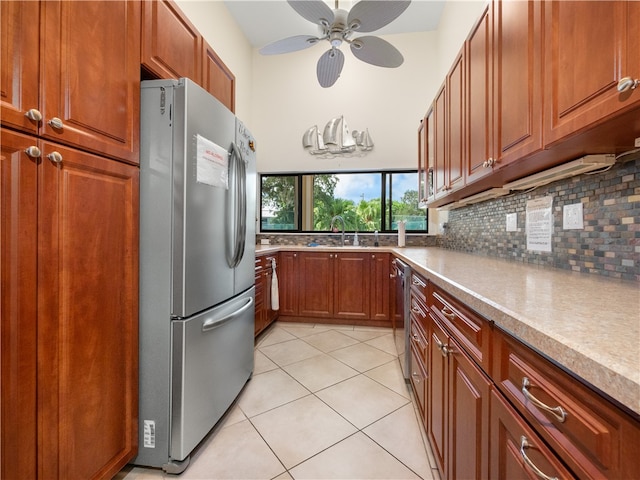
x,y
366,240
609,243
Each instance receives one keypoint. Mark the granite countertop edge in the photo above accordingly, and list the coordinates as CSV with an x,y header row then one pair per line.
x,y
603,363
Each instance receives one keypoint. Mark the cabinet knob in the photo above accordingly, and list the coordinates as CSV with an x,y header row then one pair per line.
x,y
56,123
33,152
55,157
627,83
33,114
373,256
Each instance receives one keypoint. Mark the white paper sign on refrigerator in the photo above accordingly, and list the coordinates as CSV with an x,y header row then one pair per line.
x,y
212,163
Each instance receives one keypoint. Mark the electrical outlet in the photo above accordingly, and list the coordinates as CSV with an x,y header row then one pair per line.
x,y
637,142
512,222
572,217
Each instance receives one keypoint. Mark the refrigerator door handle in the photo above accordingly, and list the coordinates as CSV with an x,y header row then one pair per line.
x,y
218,322
238,205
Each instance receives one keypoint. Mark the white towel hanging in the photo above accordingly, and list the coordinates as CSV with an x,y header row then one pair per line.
x,y
275,296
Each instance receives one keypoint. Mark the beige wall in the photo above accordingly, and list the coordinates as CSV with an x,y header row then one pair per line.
x,y
279,98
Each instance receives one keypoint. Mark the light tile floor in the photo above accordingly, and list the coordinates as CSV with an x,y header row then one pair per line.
x,y
325,402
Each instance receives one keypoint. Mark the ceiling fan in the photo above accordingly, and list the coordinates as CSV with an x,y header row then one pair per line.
x,y
337,26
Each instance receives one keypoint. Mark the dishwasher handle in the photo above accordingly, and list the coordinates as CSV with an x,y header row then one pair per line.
x,y
218,322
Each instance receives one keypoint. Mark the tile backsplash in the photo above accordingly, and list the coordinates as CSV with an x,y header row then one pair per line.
x,y
608,244
365,239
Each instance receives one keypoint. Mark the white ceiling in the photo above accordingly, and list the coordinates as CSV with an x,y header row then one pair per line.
x,y
265,21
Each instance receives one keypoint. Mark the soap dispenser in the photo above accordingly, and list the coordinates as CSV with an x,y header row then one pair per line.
x,y
355,240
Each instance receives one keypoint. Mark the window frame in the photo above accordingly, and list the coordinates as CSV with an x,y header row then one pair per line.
x,y
384,175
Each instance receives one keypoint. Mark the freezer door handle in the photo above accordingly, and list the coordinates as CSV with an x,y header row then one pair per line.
x,y
218,322
237,207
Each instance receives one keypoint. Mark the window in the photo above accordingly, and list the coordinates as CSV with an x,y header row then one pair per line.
x,y
367,201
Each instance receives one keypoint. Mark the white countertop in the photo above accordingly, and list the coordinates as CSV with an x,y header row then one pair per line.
x,y
587,323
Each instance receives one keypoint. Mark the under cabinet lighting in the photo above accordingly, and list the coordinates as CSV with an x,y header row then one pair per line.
x,y
576,167
486,195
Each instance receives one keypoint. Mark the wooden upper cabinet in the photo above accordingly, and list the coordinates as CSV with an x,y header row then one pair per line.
x,y
517,78
172,47
479,97
422,163
600,43
87,315
456,129
90,76
18,304
19,57
171,44
217,79
439,144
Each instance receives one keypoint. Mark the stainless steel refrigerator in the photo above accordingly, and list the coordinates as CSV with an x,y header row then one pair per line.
x,y
197,248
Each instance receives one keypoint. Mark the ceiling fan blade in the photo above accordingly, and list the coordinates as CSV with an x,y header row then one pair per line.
x,y
316,11
289,44
376,51
329,67
371,15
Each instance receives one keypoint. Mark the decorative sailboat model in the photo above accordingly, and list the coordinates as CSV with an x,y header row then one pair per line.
x,y
336,139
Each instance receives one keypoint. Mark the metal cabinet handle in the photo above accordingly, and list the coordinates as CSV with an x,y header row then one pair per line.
x,y
415,282
391,275
524,443
627,83
33,152
373,256
33,114
447,312
559,412
444,349
55,157
56,123
416,377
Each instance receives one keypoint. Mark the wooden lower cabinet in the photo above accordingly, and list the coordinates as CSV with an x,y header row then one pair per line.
x,y
495,408
316,284
516,452
342,287
381,288
265,315
457,409
69,315
18,307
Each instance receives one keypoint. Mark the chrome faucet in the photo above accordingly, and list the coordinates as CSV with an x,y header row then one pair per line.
x,y
338,217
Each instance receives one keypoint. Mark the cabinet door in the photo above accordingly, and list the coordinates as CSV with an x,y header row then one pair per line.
x,y
288,280
468,429
171,44
600,42
18,250
217,79
90,76
437,408
423,195
456,130
380,288
87,315
19,56
479,96
440,148
352,286
315,285
515,450
517,79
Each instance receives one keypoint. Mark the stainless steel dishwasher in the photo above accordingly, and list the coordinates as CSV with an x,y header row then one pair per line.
x,y
402,319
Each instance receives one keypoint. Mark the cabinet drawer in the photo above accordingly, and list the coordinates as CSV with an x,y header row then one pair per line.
x,y
418,309
593,436
417,338
419,287
467,327
418,379
515,450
